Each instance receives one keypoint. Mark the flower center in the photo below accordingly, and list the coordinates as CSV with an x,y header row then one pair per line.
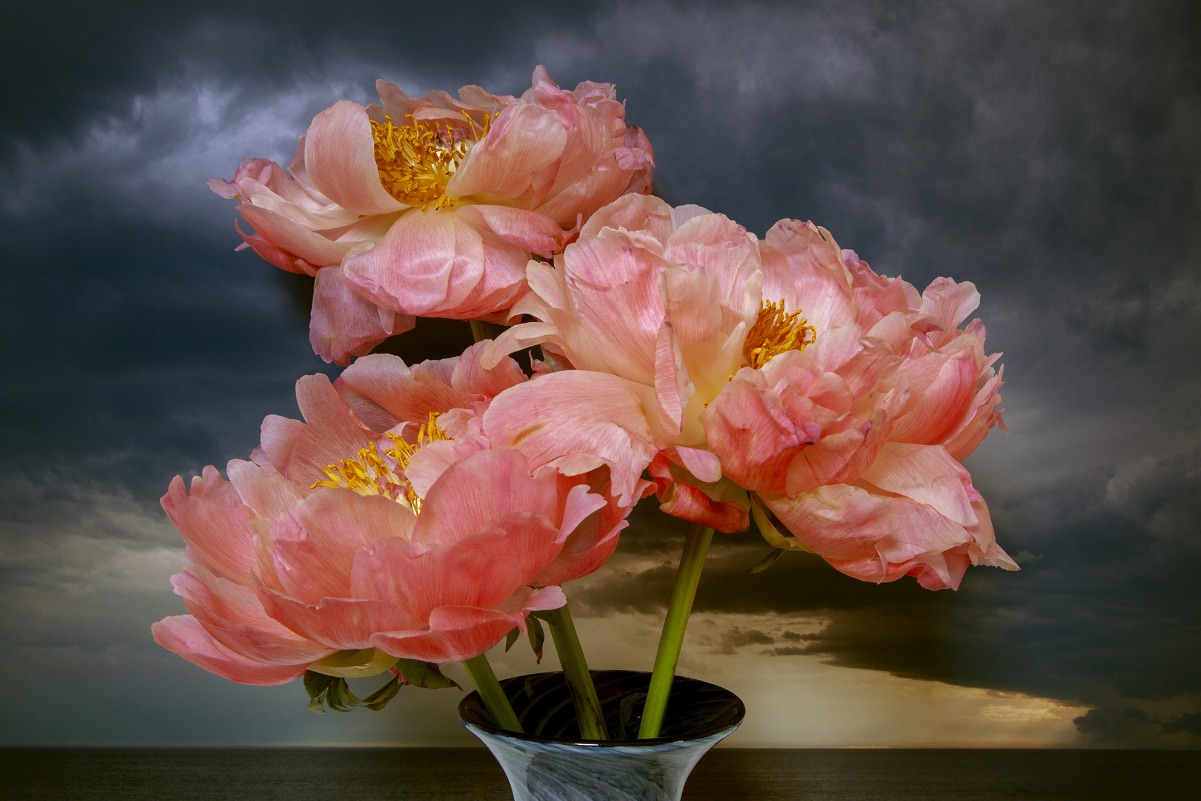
x,y
417,160
369,473
774,332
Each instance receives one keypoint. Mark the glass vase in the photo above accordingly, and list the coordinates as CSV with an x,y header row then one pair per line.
x,y
551,762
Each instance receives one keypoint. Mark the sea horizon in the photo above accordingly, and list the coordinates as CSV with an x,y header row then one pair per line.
x,y
460,773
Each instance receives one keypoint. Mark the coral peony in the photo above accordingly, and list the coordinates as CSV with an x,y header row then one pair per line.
x,y
761,380
698,329
432,206
340,548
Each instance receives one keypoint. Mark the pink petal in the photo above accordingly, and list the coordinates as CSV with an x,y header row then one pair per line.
x,y
476,491
345,324
873,537
530,231
314,549
233,615
301,452
523,139
576,421
633,213
263,491
941,398
722,506
339,154
803,266
429,261
183,636
213,522
928,475
950,302
300,242
383,391
339,623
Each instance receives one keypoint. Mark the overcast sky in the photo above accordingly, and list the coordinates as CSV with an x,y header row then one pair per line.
x,y
1047,152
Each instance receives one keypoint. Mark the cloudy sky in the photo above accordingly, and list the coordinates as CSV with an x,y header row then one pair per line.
x,y
1047,152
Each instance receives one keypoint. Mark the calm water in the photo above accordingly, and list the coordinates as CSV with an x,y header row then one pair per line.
x,y
443,774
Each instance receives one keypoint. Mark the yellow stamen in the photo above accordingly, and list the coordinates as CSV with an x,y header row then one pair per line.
x,y
417,160
774,332
366,473
369,473
403,452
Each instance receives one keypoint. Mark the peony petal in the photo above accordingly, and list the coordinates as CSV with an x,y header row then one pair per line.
x,y
302,451
213,522
576,421
530,231
345,324
314,549
339,154
523,139
184,637
428,262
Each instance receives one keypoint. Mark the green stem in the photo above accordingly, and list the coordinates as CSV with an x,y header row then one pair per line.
x,y
579,679
481,330
692,560
494,697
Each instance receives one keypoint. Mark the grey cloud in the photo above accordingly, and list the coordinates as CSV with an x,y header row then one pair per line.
x,y
1189,723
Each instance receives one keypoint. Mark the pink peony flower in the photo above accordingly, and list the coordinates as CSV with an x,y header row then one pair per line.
x,y
764,387
579,435
697,329
339,544
432,206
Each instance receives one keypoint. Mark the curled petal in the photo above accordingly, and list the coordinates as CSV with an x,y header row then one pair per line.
x,y
524,138
185,637
302,451
427,262
344,324
722,506
339,154
575,422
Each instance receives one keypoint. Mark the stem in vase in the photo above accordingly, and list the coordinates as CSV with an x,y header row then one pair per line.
x,y
579,679
692,561
493,696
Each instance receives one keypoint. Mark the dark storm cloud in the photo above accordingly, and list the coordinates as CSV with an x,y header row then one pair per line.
x,y
66,63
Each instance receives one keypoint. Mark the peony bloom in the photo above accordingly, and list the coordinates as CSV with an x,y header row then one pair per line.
x,y
580,436
698,330
765,388
340,548
432,206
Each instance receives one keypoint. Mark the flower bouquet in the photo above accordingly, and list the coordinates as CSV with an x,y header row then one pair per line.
x,y
421,514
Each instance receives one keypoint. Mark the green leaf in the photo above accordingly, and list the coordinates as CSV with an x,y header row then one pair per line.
x,y
380,698
767,561
333,692
774,531
537,635
511,638
627,724
424,674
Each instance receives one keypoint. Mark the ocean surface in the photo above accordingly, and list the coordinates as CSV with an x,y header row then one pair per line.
x,y
463,774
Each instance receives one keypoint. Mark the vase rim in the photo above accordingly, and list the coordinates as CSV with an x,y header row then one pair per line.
x,y
726,723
